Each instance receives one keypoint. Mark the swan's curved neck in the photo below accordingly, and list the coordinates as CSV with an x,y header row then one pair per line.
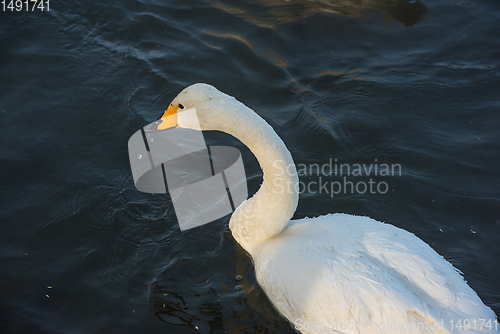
x,y
269,210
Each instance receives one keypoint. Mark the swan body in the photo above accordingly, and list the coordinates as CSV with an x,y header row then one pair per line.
x,y
341,270
336,273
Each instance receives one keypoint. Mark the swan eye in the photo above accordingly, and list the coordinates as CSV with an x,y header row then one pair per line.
x,y
181,106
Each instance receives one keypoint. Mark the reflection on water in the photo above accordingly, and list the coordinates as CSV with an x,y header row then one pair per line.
x,y
237,306
409,12
276,59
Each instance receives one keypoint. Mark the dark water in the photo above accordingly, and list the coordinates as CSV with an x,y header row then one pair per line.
x,y
82,251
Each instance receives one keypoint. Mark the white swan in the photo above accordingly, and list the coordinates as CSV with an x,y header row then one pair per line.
x,y
336,273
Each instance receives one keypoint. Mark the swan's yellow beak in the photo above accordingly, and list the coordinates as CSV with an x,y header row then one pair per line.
x,y
169,118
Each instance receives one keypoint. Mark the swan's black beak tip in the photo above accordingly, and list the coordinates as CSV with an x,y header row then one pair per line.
x,y
160,125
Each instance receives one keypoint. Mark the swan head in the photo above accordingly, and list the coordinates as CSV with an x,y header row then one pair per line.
x,y
204,108
214,110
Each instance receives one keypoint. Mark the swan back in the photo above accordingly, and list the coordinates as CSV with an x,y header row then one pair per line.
x,y
355,270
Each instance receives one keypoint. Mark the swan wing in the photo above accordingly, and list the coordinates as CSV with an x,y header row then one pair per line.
x,y
357,275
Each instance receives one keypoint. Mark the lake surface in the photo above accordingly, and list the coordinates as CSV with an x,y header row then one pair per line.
x,y
372,82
